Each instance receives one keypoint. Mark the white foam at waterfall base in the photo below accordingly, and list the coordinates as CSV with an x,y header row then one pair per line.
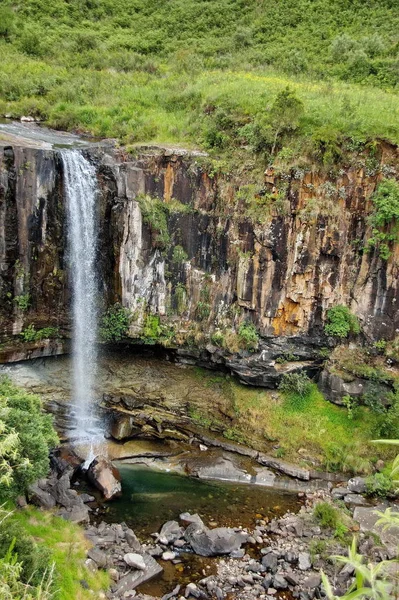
x,y
80,185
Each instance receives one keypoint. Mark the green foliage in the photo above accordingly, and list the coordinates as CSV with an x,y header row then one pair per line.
x,y
179,255
65,545
248,335
174,72
26,434
379,484
296,384
151,329
115,323
30,334
385,217
35,560
155,215
23,302
341,322
326,515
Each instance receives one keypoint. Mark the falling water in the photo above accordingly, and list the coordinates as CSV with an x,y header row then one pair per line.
x,y
81,192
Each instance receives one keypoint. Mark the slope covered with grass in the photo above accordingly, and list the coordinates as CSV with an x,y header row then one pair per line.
x,y
204,72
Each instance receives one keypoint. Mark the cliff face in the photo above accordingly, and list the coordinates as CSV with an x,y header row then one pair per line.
x,y
203,252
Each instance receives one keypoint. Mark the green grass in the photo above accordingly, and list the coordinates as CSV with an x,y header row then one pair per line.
x,y
321,431
68,547
198,72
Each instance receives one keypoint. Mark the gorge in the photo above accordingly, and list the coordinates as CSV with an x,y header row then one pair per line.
x,y
177,266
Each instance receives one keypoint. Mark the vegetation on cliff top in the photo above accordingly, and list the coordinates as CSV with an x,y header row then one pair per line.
x,y
208,72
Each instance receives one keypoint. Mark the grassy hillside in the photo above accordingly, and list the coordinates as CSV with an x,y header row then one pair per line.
x,y
205,72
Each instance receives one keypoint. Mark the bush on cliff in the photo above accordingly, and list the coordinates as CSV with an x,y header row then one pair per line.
x,y
115,323
26,435
385,217
341,322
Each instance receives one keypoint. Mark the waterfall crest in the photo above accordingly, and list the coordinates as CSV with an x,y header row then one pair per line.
x,y
80,184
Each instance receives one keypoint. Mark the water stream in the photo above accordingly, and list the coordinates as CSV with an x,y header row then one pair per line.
x,y
81,192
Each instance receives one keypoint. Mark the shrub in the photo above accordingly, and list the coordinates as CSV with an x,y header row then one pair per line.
x,y
341,322
34,559
385,217
155,213
326,515
179,255
22,301
115,323
248,335
379,484
26,434
295,383
30,334
151,329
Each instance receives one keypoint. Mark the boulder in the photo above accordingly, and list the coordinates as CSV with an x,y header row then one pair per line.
x,y
75,514
99,557
105,477
135,578
186,518
212,542
122,427
170,532
357,485
40,497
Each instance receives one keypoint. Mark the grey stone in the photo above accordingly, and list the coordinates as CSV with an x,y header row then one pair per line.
x,y
135,560
99,557
279,582
132,540
186,518
168,555
312,582
135,578
170,532
174,592
40,497
304,562
357,485
355,500
270,561
211,542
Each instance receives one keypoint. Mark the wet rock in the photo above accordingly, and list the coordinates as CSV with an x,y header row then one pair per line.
x,y
171,594
132,540
211,542
135,560
168,555
105,477
170,532
284,467
122,427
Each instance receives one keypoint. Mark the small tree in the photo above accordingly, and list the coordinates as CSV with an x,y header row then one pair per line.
x,y
285,114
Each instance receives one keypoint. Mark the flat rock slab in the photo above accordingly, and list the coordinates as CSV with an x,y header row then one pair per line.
x,y
135,578
212,542
223,470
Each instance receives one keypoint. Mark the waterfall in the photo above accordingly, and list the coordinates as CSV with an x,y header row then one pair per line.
x,y
81,193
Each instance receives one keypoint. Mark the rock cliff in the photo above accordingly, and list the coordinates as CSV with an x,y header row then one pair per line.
x,y
202,251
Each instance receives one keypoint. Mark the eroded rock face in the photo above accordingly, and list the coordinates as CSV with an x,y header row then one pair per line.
x,y
221,261
105,477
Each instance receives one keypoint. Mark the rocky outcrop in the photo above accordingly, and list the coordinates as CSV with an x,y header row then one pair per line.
x,y
204,253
